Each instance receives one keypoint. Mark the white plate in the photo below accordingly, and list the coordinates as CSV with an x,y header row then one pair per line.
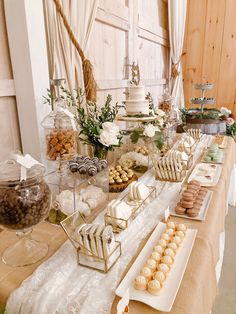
x,y
199,175
166,297
212,162
203,210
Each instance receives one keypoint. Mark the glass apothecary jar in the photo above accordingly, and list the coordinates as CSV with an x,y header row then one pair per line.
x,y
23,204
60,133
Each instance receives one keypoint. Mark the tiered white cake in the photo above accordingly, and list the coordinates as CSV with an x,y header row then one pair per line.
x,y
135,101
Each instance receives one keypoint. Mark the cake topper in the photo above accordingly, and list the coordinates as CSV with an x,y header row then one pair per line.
x,y
135,74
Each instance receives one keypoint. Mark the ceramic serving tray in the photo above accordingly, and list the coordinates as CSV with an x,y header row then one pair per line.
x,y
166,297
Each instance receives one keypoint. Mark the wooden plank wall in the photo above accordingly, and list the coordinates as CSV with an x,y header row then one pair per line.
x,y
127,31
210,46
124,31
9,127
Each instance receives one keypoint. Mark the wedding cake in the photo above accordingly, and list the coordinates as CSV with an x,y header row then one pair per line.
x,y
135,103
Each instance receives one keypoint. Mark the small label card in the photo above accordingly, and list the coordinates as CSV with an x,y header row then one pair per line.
x,y
122,305
167,213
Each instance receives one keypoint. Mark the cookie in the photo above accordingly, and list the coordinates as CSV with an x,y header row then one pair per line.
x,y
192,212
186,204
180,210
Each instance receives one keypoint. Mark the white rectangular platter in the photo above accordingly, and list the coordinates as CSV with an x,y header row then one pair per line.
x,y
212,162
224,143
203,210
203,169
166,297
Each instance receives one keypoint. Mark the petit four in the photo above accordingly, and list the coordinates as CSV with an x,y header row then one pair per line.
x,y
138,191
158,248
173,246
160,276
191,200
162,243
118,211
140,283
120,178
164,268
146,272
156,256
166,259
169,252
177,240
154,286
151,263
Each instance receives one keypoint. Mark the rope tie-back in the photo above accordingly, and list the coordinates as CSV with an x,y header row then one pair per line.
x,y
89,81
174,67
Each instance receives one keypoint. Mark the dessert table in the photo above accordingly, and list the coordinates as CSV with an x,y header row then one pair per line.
x,y
199,285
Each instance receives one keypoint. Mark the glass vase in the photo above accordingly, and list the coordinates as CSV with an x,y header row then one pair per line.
x,y
100,152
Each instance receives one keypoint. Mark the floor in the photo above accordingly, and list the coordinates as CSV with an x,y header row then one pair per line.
x,y
226,301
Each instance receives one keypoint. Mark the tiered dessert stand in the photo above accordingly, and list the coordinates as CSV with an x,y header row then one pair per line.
x,y
205,124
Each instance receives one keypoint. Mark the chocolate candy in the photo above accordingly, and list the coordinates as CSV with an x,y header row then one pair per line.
x,y
82,168
92,170
24,207
103,163
73,166
87,165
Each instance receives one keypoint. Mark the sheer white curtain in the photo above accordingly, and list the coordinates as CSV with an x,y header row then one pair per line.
x,y
177,16
64,61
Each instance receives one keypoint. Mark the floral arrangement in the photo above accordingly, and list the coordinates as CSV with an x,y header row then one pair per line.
x,y
150,131
230,122
97,127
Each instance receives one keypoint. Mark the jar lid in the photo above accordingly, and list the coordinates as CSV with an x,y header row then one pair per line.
x,y
59,118
10,173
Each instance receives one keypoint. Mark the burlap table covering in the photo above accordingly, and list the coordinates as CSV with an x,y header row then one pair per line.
x,y
198,288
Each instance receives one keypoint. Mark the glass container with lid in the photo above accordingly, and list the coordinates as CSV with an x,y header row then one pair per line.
x,y
60,129
23,204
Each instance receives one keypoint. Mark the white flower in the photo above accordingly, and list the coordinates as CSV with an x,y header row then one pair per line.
x,y
111,127
149,130
225,111
160,112
108,136
108,139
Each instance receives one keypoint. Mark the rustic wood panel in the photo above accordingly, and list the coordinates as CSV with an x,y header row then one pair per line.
x,y
9,127
226,93
210,45
194,43
127,31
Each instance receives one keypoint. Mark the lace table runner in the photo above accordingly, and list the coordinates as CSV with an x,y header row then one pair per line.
x,y
60,286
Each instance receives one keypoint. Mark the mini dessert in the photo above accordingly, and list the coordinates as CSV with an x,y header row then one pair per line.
x,y
165,237
171,225
151,263
177,240
140,283
164,268
119,178
162,243
156,256
170,232
160,276
182,227
173,246
159,249
167,260
170,252
146,272
180,210
142,150
86,165
193,212
154,286
180,234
